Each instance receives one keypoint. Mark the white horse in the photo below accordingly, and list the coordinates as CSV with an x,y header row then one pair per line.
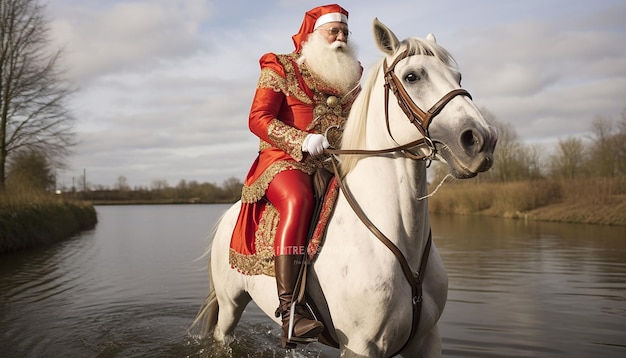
x,y
366,291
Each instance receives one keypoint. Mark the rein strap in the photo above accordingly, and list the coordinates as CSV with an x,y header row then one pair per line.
x,y
414,279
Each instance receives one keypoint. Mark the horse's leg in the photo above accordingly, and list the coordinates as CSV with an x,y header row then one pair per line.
x,y
228,284
231,307
428,346
432,343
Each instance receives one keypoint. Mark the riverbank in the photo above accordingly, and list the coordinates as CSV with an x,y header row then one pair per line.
x,y
586,201
40,220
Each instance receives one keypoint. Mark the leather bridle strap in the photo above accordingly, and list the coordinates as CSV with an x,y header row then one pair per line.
x,y
372,152
420,119
416,279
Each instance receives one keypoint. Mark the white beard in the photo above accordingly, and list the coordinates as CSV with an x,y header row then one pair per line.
x,y
335,63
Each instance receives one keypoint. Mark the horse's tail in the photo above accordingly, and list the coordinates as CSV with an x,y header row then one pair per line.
x,y
206,319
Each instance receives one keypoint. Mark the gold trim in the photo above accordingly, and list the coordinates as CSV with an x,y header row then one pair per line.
x,y
253,193
289,85
251,264
293,84
269,79
287,138
256,191
262,262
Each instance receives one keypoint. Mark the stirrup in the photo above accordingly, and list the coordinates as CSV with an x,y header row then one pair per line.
x,y
290,337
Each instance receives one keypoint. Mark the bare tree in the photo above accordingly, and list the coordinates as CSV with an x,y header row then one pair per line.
x,y
569,159
509,163
159,184
621,145
122,184
605,148
33,112
232,187
534,161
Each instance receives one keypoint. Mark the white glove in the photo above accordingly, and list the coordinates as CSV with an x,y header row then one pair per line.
x,y
315,144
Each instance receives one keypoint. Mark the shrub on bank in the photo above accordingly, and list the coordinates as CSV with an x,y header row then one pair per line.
x,y
593,200
33,220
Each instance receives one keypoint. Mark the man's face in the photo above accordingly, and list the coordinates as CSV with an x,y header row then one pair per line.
x,y
334,31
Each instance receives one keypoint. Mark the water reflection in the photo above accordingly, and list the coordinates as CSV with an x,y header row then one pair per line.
x,y
132,286
525,289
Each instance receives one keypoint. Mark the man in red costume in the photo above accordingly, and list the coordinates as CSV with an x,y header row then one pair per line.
x,y
300,97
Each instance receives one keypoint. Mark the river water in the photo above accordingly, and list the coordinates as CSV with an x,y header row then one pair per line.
x,y
132,286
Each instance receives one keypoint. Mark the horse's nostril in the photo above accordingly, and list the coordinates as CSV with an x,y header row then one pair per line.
x,y
471,142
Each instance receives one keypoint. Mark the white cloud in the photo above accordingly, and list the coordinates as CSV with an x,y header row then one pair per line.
x,y
166,85
127,36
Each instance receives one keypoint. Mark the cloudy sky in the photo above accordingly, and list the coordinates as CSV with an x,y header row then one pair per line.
x,y
165,85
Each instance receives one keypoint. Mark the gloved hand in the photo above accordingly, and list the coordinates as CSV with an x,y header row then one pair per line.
x,y
315,144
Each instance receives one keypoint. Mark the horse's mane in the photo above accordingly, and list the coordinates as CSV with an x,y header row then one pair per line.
x,y
354,130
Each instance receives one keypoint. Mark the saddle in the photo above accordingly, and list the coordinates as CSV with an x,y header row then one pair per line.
x,y
325,195
326,191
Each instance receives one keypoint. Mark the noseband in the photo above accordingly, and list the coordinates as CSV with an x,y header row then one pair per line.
x,y
420,119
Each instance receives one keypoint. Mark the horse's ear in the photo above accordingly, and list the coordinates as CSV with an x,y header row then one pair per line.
x,y
431,37
385,39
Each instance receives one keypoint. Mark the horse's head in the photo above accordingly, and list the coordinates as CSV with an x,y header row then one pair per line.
x,y
424,99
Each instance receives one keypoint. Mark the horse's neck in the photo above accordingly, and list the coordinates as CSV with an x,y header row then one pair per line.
x,y
387,189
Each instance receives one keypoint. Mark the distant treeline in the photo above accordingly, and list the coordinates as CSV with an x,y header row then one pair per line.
x,y
160,192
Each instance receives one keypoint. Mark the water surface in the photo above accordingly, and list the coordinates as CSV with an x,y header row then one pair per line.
x,y
132,286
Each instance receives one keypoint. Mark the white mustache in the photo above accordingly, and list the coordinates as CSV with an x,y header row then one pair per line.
x,y
337,45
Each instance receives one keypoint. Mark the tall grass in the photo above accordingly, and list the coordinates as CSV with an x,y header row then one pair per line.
x,y
29,219
593,200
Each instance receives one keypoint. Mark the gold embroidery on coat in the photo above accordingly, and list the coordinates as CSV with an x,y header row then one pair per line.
x,y
287,138
255,191
289,85
293,83
271,80
262,262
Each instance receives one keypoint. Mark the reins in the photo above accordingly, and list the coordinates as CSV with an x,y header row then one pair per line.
x,y
414,279
421,120
372,152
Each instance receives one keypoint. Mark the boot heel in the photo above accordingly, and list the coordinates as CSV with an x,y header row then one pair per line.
x,y
288,344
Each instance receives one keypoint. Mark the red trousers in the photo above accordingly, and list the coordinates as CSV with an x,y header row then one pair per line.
x,y
291,193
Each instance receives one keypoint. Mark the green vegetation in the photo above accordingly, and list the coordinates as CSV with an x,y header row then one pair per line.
x,y
30,214
28,220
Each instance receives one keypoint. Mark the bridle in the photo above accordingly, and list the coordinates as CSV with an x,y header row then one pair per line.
x,y
422,121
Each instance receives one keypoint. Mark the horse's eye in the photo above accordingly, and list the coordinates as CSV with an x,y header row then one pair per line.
x,y
411,77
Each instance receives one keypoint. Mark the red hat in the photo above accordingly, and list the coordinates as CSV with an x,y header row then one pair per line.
x,y
316,17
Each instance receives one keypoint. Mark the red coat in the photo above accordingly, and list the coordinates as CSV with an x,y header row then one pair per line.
x,y
289,103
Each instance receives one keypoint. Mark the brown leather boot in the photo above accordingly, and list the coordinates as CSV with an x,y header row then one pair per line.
x,y
305,329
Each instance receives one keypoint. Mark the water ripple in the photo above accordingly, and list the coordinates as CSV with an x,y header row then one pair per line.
x,y
132,287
